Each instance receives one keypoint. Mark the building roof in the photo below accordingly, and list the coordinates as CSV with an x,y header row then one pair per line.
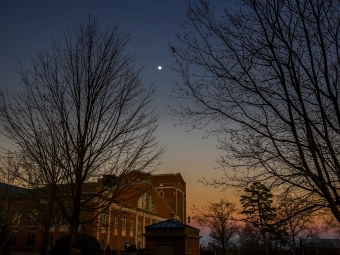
x,y
168,224
11,190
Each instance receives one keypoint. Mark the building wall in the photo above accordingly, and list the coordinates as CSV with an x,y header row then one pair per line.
x,y
105,230
181,241
172,188
177,242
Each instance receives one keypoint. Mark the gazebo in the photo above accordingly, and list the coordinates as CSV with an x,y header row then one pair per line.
x,y
171,237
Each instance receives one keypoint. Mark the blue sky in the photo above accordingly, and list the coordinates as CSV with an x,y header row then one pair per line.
x,y
28,25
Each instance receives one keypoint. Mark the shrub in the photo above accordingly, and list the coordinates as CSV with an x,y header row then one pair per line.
x,y
88,245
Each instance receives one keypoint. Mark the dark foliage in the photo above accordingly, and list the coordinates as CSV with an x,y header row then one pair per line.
x,y
88,245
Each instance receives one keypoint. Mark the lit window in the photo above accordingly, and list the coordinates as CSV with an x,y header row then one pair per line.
x,y
145,202
33,218
16,219
103,219
124,225
115,225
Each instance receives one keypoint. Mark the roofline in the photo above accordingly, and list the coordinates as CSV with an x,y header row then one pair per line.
x,y
167,174
174,174
182,225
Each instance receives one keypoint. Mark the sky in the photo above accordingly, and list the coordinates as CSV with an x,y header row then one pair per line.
x,y
28,25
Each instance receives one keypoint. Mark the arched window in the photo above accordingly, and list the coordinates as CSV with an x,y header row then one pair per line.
x,y
33,218
145,202
161,193
16,219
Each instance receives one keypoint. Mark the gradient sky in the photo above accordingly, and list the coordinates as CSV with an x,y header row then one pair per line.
x,y
27,26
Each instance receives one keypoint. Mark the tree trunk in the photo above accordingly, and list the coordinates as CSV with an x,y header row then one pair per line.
x,y
73,237
294,245
46,235
265,243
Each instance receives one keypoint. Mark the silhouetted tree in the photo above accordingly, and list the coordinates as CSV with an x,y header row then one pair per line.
x,y
264,77
257,206
83,112
10,208
218,217
249,240
37,203
299,222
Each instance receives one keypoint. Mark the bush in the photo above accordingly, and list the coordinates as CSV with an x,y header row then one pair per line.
x,y
88,245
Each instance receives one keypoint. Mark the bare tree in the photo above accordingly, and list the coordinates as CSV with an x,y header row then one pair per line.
x,y
299,220
36,204
10,196
249,240
83,112
218,217
264,77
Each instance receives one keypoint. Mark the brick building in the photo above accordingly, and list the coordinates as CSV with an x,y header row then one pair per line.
x,y
172,189
153,199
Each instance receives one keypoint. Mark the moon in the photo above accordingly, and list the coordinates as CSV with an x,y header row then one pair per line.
x,y
159,67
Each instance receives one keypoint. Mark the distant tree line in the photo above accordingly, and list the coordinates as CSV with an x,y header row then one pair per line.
x,y
265,224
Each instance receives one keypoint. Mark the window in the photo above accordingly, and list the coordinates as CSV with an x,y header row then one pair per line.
x,y
63,221
139,227
63,224
103,219
114,244
30,240
132,227
161,193
50,241
16,219
53,220
124,225
33,218
12,241
145,202
82,227
102,242
115,225
153,207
